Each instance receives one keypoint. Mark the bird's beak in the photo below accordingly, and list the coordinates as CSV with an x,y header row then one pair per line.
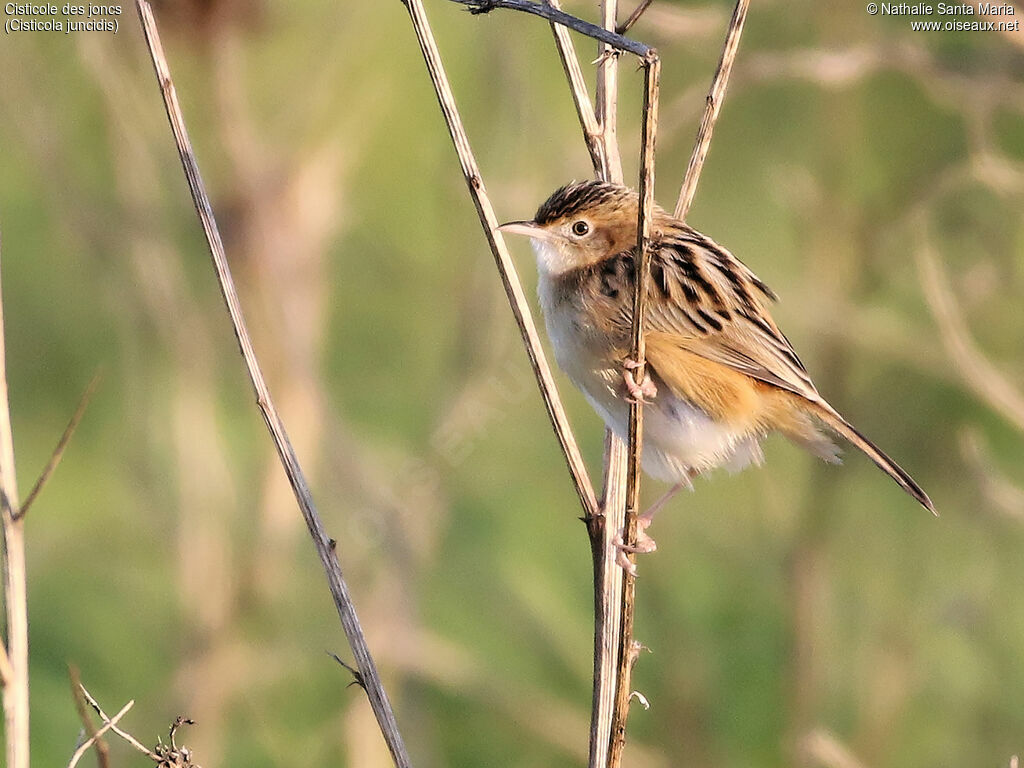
x,y
528,228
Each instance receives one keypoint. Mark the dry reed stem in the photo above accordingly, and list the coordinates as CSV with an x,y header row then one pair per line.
x,y
580,98
15,655
628,647
608,576
503,261
339,589
606,93
613,640
608,585
712,107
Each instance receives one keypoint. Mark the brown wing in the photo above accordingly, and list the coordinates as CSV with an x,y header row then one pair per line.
x,y
708,303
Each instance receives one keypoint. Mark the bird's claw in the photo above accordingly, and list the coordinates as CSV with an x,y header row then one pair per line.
x,y
644,544
643,392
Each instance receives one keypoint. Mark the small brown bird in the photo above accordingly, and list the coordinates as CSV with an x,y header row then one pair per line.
x,y
721,375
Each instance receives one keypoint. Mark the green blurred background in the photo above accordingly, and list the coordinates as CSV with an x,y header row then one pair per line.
x,y
797,614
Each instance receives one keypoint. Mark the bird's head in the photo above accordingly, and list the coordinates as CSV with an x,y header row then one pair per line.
x,y
581,223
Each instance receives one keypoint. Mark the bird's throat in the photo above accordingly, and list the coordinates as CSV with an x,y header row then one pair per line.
x,y
552,259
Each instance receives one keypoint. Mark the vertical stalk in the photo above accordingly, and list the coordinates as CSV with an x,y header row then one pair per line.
x,y
16,711
628,647
608,577
607,94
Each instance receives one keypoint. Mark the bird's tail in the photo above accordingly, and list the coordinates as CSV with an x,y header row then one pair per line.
x,y
834,421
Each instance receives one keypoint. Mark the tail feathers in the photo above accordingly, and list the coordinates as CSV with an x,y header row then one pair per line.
x,y
834,421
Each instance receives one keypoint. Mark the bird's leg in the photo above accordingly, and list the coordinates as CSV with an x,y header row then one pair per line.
x,y
643,392
645,543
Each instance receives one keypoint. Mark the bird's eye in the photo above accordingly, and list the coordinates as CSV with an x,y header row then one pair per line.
x,y
580,228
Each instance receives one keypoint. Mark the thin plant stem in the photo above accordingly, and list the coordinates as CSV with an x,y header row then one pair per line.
x,y
608,581
634,17
108,725
58,451
712,107
15,665
607,92
138,745
324,545
503,260
608,576
605,521
628,647
580,97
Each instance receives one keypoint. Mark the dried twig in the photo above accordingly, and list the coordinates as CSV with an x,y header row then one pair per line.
x,y
578,87
108,725
339,589
164,755
628,648
62,444
551,13
14,664
625,26
357,679
607,97
608,576
711,109
138,745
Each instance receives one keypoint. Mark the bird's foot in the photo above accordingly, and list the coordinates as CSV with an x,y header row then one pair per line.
x,y
644,544
643,392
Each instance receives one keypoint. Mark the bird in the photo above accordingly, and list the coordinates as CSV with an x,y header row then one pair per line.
x,y
719,373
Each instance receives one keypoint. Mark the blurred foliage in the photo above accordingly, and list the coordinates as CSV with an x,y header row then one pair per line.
x,y
166,558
